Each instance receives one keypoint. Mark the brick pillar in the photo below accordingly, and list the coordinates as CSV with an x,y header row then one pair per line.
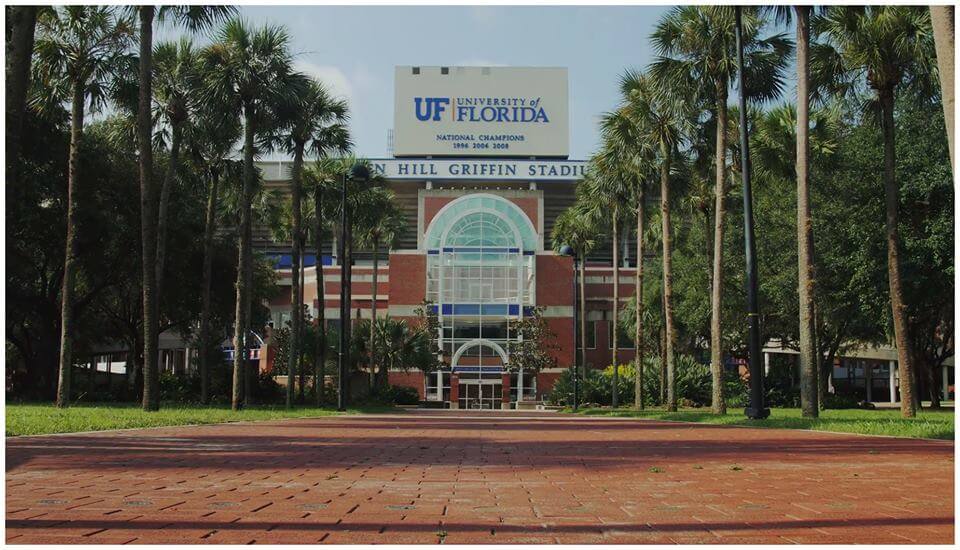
x,y
454,391
505,404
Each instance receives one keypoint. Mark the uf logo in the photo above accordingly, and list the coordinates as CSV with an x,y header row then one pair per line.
x,y
430,107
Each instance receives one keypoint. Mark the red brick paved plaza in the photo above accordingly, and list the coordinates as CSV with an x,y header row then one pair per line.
x,y
485,478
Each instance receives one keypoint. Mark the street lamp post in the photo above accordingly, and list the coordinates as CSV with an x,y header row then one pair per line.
x,y
358,173
756,410
567,250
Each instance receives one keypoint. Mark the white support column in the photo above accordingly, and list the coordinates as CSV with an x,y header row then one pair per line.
x,y
868,380
946,382
893,381
766,363
520,386
439,385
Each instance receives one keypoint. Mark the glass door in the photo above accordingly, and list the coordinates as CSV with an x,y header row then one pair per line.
x,y
480,395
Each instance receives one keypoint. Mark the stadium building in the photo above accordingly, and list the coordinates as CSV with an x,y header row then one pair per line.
x,y
481,170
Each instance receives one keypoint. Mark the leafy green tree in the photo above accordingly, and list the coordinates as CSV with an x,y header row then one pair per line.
x,y
429,323
78,51
885,49
927,229
697,54
533,348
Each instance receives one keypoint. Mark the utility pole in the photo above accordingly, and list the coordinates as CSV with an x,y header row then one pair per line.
x,y
756,410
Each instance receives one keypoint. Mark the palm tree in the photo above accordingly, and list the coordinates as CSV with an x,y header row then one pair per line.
x,y
246,70
888,48
313,111
614,183
175,72
942,20
581,232
662,123
383,226
324,178
809,402
78,50
697,54
194,18
22,22
210,143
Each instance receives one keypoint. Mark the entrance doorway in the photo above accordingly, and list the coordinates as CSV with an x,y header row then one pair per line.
x,y
480,393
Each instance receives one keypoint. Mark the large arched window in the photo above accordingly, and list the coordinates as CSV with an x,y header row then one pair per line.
x,y
482,229
480,270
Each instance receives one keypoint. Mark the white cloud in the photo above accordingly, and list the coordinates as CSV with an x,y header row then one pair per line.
x,y
365,80
332,77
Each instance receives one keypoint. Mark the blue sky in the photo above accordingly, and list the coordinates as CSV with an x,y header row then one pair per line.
x,y
355,48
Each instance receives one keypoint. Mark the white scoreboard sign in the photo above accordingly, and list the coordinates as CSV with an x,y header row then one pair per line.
x,y
481,111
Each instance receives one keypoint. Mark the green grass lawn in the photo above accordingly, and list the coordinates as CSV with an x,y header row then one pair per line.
x,y
44,418
928,424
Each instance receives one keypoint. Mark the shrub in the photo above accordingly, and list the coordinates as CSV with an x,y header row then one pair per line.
x,y
405,395
832,401
693,385
179,388
395,395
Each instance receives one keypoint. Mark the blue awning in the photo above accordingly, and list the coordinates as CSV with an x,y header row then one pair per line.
x,y
285,261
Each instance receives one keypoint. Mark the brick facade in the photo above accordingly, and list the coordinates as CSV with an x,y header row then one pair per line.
x,y
402,287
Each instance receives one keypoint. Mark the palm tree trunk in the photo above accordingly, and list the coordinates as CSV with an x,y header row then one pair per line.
x,y
239,332
166,188
638,300
941,18
616,304
301,356
580,364
208,231
69,267
809,404
381,375
716,294
663,361
148,215
347,324
296,299
19,56
320,346
900,328
667,240
250,370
